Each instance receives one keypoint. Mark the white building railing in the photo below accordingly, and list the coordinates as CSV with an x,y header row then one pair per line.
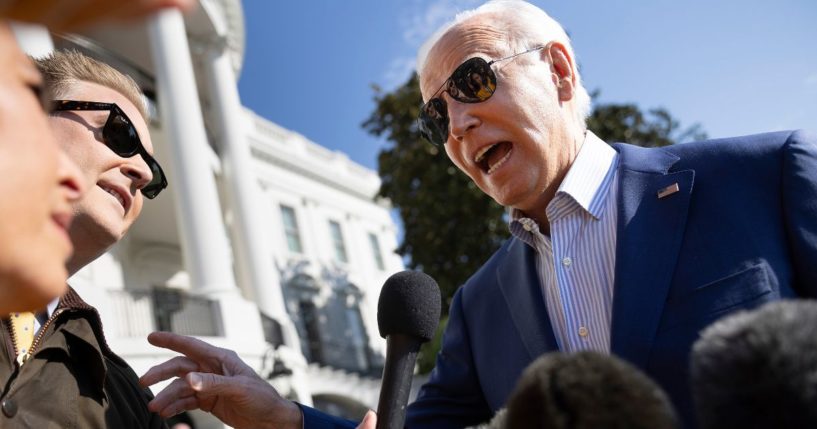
x,y
139,313
134,314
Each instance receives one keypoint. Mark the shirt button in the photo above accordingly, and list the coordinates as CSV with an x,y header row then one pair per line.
x,y
9,407
566,261
526,226
583,331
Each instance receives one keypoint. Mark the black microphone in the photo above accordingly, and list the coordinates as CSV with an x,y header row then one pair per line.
x,y
408,312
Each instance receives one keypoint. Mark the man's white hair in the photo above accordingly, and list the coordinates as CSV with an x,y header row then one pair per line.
x,y
527,26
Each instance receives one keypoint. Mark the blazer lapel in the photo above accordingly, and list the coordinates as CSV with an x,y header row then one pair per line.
x,y
650,231
519,283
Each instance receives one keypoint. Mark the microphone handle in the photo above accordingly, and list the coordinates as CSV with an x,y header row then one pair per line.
x,y
401,354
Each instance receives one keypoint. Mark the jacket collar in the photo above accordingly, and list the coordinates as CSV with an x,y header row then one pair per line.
x,y
76,322
73,332
519,283
649,236
73,302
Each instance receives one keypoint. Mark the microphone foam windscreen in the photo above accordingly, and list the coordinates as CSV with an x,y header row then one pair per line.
x,y
758,368
587,390
409,304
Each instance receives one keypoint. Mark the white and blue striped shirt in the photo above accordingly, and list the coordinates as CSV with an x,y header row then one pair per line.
x,y
576,263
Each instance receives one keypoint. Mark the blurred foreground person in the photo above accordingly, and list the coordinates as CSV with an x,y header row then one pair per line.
x,y
758,369
39,186
67,376
33,217
68,15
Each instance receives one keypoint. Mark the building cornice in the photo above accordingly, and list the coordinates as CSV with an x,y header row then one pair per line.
x,y
291,151
227,17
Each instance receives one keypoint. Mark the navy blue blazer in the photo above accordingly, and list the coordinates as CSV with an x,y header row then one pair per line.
x,y
741,231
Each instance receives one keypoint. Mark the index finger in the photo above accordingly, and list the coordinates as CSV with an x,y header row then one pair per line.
x,y
193,348
179,366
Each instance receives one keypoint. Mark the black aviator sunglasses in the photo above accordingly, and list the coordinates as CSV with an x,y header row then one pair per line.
x,y
472,82
121,137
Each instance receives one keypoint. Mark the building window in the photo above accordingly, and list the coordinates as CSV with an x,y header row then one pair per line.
x,y
291,229
359,339
378,257
313,349
337,241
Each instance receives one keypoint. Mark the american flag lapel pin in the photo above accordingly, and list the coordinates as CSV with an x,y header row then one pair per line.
x,y
669,190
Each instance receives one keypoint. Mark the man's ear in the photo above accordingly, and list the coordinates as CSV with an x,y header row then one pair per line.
x,y
561,66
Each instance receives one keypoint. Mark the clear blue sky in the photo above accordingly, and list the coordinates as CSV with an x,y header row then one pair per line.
x,y
736,67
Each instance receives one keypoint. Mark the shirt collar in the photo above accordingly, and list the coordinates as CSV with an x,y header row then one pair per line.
x,y
590,176
52,306
587,182
43,316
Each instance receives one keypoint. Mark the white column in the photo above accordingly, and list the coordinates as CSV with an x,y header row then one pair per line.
x,y
204,239
254,256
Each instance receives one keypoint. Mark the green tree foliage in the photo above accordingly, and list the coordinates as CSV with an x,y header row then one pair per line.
x,y
626,123
450,227
427,357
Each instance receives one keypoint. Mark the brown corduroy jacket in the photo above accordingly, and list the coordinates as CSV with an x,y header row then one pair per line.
x,y
72,379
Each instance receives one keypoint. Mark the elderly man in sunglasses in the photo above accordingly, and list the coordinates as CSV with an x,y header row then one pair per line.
x,y
619,250
66,375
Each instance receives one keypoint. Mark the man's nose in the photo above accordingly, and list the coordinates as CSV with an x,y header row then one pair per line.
x,y
70,178
137,170
461,118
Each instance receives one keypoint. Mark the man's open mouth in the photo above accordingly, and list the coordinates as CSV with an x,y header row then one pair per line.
x,y
492,157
